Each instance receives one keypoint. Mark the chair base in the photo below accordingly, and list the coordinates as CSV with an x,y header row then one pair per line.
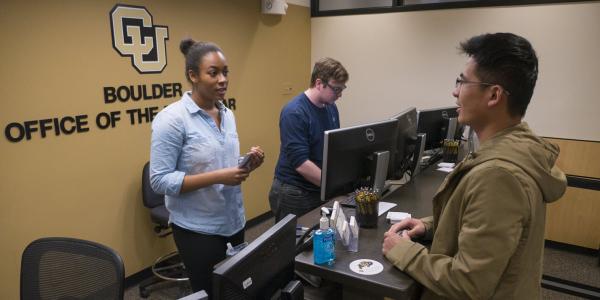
x,y
167,268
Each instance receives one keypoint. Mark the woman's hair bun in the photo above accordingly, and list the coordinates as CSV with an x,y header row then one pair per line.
x,y
185,45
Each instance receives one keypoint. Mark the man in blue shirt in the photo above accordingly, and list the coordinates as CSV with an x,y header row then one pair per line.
x,y
302,122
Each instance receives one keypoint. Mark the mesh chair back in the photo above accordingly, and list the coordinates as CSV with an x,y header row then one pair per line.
x,y
66,268
150,198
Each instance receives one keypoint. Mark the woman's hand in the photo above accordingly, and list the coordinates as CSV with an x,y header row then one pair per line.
x,y
257,157
233,176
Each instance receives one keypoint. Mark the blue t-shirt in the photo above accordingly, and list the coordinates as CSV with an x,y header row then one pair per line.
x,y
301,127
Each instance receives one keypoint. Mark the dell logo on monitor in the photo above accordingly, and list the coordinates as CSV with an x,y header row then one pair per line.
x,y
370,134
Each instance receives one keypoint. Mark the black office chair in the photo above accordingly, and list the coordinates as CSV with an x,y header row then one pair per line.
x,y
67,268
167,267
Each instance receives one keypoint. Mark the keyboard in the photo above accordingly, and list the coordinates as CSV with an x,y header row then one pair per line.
x,y
349,201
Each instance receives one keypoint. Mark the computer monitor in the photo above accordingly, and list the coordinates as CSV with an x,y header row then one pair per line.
x,y
261,269
406,139
435,124
351,156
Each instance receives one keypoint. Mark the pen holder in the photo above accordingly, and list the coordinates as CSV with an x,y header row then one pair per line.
x,y
366,213
450,150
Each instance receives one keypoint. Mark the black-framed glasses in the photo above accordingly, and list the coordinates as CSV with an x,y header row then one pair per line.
x,y
337,89
460,81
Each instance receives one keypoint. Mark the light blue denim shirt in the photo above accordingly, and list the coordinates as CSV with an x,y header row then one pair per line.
x,y
187,141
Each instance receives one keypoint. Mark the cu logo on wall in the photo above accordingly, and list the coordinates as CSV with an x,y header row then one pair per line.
x,y
370,134
134,35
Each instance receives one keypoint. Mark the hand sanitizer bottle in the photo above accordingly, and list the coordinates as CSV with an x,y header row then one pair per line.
x,y
324,243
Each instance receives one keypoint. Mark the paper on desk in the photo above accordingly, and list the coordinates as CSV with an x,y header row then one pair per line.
x,y
447,170
397,216
446,165
384,206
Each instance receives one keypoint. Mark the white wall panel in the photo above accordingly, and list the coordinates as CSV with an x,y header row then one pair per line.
x,y
397,60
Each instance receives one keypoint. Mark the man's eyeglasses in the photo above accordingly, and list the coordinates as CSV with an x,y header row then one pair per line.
x,y
460,81
337,89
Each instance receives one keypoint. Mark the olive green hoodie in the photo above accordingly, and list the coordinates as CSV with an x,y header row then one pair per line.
x,y
488,222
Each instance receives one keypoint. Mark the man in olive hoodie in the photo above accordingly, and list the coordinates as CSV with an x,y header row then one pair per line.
x,y
487,227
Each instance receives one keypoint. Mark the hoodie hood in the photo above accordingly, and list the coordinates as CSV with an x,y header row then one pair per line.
x,y
536,156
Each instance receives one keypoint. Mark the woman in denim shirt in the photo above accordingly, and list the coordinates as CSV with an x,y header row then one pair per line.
x,y
194,163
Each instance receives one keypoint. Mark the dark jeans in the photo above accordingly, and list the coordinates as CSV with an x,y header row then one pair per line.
x,y
288,199
200,253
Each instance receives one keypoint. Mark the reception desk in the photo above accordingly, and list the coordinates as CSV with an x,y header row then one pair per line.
x,y
414,198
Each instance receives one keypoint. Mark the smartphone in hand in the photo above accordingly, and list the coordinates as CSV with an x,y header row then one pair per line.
x,y
244,161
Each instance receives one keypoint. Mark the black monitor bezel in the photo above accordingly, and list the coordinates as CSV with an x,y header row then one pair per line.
x,y
282,234
429,143
325,194
405,143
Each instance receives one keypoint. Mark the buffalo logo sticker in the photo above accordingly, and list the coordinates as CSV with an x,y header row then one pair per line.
x,y
135,35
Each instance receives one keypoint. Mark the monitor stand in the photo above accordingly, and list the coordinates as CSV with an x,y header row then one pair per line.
x,y
293,291
452,125
200,295
415,168
381,162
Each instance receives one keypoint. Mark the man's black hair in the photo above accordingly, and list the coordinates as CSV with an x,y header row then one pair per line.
x,y
508,60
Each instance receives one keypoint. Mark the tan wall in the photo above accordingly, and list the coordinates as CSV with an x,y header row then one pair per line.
x,y
574,218
397,60
579,158
57,57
